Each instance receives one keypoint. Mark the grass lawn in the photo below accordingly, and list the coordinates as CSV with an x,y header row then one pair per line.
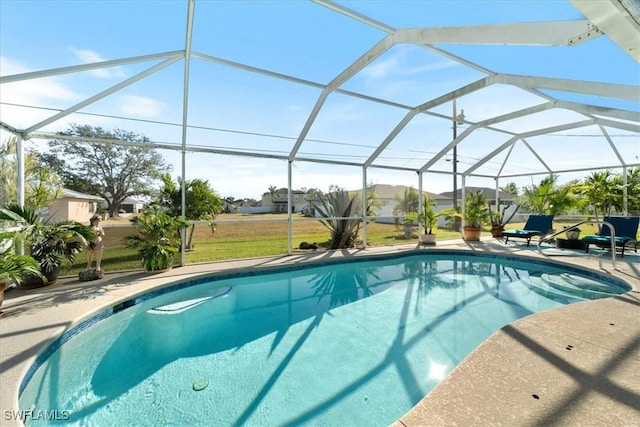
x,y
253,236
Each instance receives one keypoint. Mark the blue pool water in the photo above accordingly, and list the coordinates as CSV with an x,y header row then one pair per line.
x,y
354,343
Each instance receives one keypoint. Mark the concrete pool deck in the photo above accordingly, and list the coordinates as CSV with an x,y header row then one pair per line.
x,y
575,365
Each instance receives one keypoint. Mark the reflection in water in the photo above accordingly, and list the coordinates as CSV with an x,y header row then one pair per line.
x,y
344,286
274,338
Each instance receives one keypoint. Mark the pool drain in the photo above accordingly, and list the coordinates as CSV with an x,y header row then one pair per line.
x,y
200,384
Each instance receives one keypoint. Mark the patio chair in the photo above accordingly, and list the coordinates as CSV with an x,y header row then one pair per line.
x,y
626,231
536,225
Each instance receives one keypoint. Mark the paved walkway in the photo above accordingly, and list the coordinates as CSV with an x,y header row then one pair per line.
x,y
575,365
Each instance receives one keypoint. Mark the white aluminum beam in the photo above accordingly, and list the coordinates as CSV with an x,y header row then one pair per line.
x,y
448,147
86,67
611,17
355,15
401,125
619,125
615,113
103,94
612,145
548,130
537,156
485,124
550,33
185,118
373,53
607,90
491,155
585,169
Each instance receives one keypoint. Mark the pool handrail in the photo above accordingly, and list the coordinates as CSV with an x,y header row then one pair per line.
x,y
576,225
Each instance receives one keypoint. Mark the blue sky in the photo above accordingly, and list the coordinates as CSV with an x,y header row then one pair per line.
x,y
235,109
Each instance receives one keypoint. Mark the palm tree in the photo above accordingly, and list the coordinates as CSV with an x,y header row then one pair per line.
x,y
548,198
272,192
601,193
42,185
408,203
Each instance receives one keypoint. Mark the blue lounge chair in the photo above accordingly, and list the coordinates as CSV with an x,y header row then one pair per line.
x,y
536,225
625,228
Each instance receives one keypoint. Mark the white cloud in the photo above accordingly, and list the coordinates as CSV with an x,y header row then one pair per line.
x,y
382,69
89,56
140,106
43,92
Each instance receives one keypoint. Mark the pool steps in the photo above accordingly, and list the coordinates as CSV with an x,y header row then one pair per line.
x,y
567,288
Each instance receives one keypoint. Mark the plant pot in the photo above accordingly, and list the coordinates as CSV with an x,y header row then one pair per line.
x,y
496,231
428,239
32,282
471,234
3,286
573,234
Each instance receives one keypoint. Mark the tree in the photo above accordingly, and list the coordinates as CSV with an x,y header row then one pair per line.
x,y
108,169
633,190
510,188
42,186
201,202
272,192
408,203
601,192
548,198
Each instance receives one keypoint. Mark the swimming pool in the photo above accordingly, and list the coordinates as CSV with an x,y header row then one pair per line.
x,y
344,343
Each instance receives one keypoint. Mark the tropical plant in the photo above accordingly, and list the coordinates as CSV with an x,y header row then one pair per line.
x,y
338,210
54,245
476,212
156,238
548,198
42,185
201,202
601,193
428,217
13,267
407,203
633,191
500,218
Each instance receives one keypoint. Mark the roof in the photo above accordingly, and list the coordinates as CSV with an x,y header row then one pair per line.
x,y
71,194
489,192
373,85
385,191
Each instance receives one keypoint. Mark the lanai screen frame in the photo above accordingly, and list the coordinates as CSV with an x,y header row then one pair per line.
x,y
557,33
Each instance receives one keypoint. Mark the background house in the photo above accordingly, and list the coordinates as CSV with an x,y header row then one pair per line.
x,y
389,197
278,202
74,206
130,205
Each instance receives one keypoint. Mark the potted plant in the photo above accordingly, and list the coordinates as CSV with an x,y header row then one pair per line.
x,y
428,219
13,267
157,238
573,234
408,224
497,218
53,245
476,215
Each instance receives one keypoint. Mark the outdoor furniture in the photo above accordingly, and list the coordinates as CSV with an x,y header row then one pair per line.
x,y
625,228
536,225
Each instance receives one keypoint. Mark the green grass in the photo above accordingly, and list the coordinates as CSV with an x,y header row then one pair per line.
x,y
255,236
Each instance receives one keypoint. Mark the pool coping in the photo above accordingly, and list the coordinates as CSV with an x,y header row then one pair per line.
x,y
35,318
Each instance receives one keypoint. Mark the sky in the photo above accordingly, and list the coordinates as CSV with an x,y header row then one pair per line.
x,y
235,109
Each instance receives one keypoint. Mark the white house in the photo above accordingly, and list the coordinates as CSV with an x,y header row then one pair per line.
x,y
74,206
279,201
